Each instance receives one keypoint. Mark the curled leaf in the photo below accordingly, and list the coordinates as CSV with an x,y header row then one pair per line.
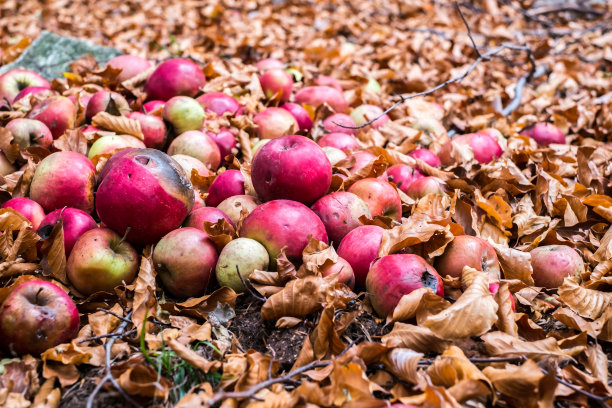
x,y
588,303
118,124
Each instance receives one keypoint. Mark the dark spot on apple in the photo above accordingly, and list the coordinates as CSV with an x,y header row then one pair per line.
x,y
429,280
336,215
45,231
268,177
40,334
144,160
129,175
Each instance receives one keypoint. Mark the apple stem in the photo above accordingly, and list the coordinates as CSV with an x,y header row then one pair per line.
x,y
127,231
37,293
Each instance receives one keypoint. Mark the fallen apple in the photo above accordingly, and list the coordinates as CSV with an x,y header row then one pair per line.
x,y
380,197
234,206
106,101
57,112
75,223
359,248
403,175
343,141
227,184
318,95
300,114
276,84
340,212
174,77
466,250
275,122
15,80
551,264
219,103
343,269
545,133
196,218
198,145
153,129
30,132
28,208
336,122
242,254
130,66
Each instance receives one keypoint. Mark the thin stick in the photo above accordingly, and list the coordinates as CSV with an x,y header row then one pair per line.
x,y
469,30
118,316
107,335
248,287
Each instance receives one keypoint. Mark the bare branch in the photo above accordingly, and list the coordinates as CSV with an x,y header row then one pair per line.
x,y
469,30
248,287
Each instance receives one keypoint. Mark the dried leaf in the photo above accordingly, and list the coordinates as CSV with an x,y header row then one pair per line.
x,y
403,363
588,303
118,124
145,302
504,345
417,338
54,254
421,304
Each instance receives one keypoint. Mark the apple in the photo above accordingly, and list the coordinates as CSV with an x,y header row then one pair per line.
x,y
30,132
466,250
6,167
343,269
275,122
318,95
153,129
343,141
75,223
174,77
277,84
332,124
362,159
291,167
57,112
183,113
153,106
334,155
394,276
41,91
483,147
100,101
364,113
233,206
283,223
324,80
258,145
427,156
100,261
242,254
111,143
403,175
115,157
146,191
196,218
380,196
199,145
553,263
64,179
219,103
340,212
422,186
545,133
300,114
130,66
198,201
84,98
36,316
227,184
269,63
225,140
15,80
28,208
429,125
189,163
185,261
359,248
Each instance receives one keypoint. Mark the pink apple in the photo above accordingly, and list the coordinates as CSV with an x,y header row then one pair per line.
x,y
227,184
466,250
30,132
483,147
343,141
225,140
340,213
276,83
553,263
335,123
112,143
75,223
545,133
324,80
275,122
364,113
28,208
15,80
380,196
423,186
233,206
153,129
403,175
173,77
130,66
360,247
101,100
344,271
300,114
427,156
41,91
57,112
219,103
318,95
197,217
268,64
153,106
199,145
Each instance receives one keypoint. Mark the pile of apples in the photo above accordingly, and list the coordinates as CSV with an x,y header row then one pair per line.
x,y
143,194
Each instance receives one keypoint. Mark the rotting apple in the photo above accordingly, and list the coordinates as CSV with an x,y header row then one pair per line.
x,y
30,132
380,197
242,254
340,212
551,264
174,77
466,250
234,205
57,112
273,123
75,223
15,80
199,145
359,248
183,113
28,208
227,184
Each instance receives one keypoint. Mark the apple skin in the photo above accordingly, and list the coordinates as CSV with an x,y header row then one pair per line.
x,y
75,223
34,90
189,163
130,65
6,167
152,106
362,159
545,133
267,64
403,175
484,147
232,206
28,208
64,179
246,255
36,316
422,186
219,103
30,132
394,276
15,80
196,218
281,223
318,95
183,113
100,261
124,196
340,212
364,113
380,197
225,141
344,271
57,112
343,141
359,248
100,100
334,155
174,77
276,82
427,156
301,116
111,143
273,123
153,129
553,263
185,261
198,145
466,250
324,80
293,168
227,184
332,124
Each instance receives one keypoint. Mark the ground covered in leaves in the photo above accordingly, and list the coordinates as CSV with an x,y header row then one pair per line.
x,y
299,339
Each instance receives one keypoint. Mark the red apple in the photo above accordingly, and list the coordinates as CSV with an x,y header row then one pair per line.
x,y
422,186
275,122
196,218
362,159
332,124
144,190
227,184
403,175
185,261
364,113
340,212
173,77
35,90
153,106
36,316
100,101
219,103
268,64
234,205
28,208
189,163
283,223
553,263
394,276
153,129
360,247
112,143
225,140
276,83
318,95
343,141
344,271
466,250
427,156
30,132
324,80
75,223
15,80
300,114
100,261
380,196
545,133
57,112
291,167
64,179
199,145
130,66
183,113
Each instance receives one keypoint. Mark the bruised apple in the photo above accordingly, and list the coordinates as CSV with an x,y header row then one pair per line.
x,y
553,263
242,254
57,112
466,250
380,197
30,132
75,223
394,276
340,212
227,184
359,248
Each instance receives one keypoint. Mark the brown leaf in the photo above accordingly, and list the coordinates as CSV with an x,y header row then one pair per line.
x,y
597,362
588,303
138,378
145,302
505,315
220,233
10,149
514,263
54,255
417,230
298,298
504,345
420,303
496,208
47,396
316,254
520,384
201,306
73,140
260,367
118,124
191,357
417,338
403,363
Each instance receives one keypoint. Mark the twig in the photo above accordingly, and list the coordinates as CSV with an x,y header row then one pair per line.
x,y
248,287
107,335
518,90
575,8
469,30
601,400
110,312
109,376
